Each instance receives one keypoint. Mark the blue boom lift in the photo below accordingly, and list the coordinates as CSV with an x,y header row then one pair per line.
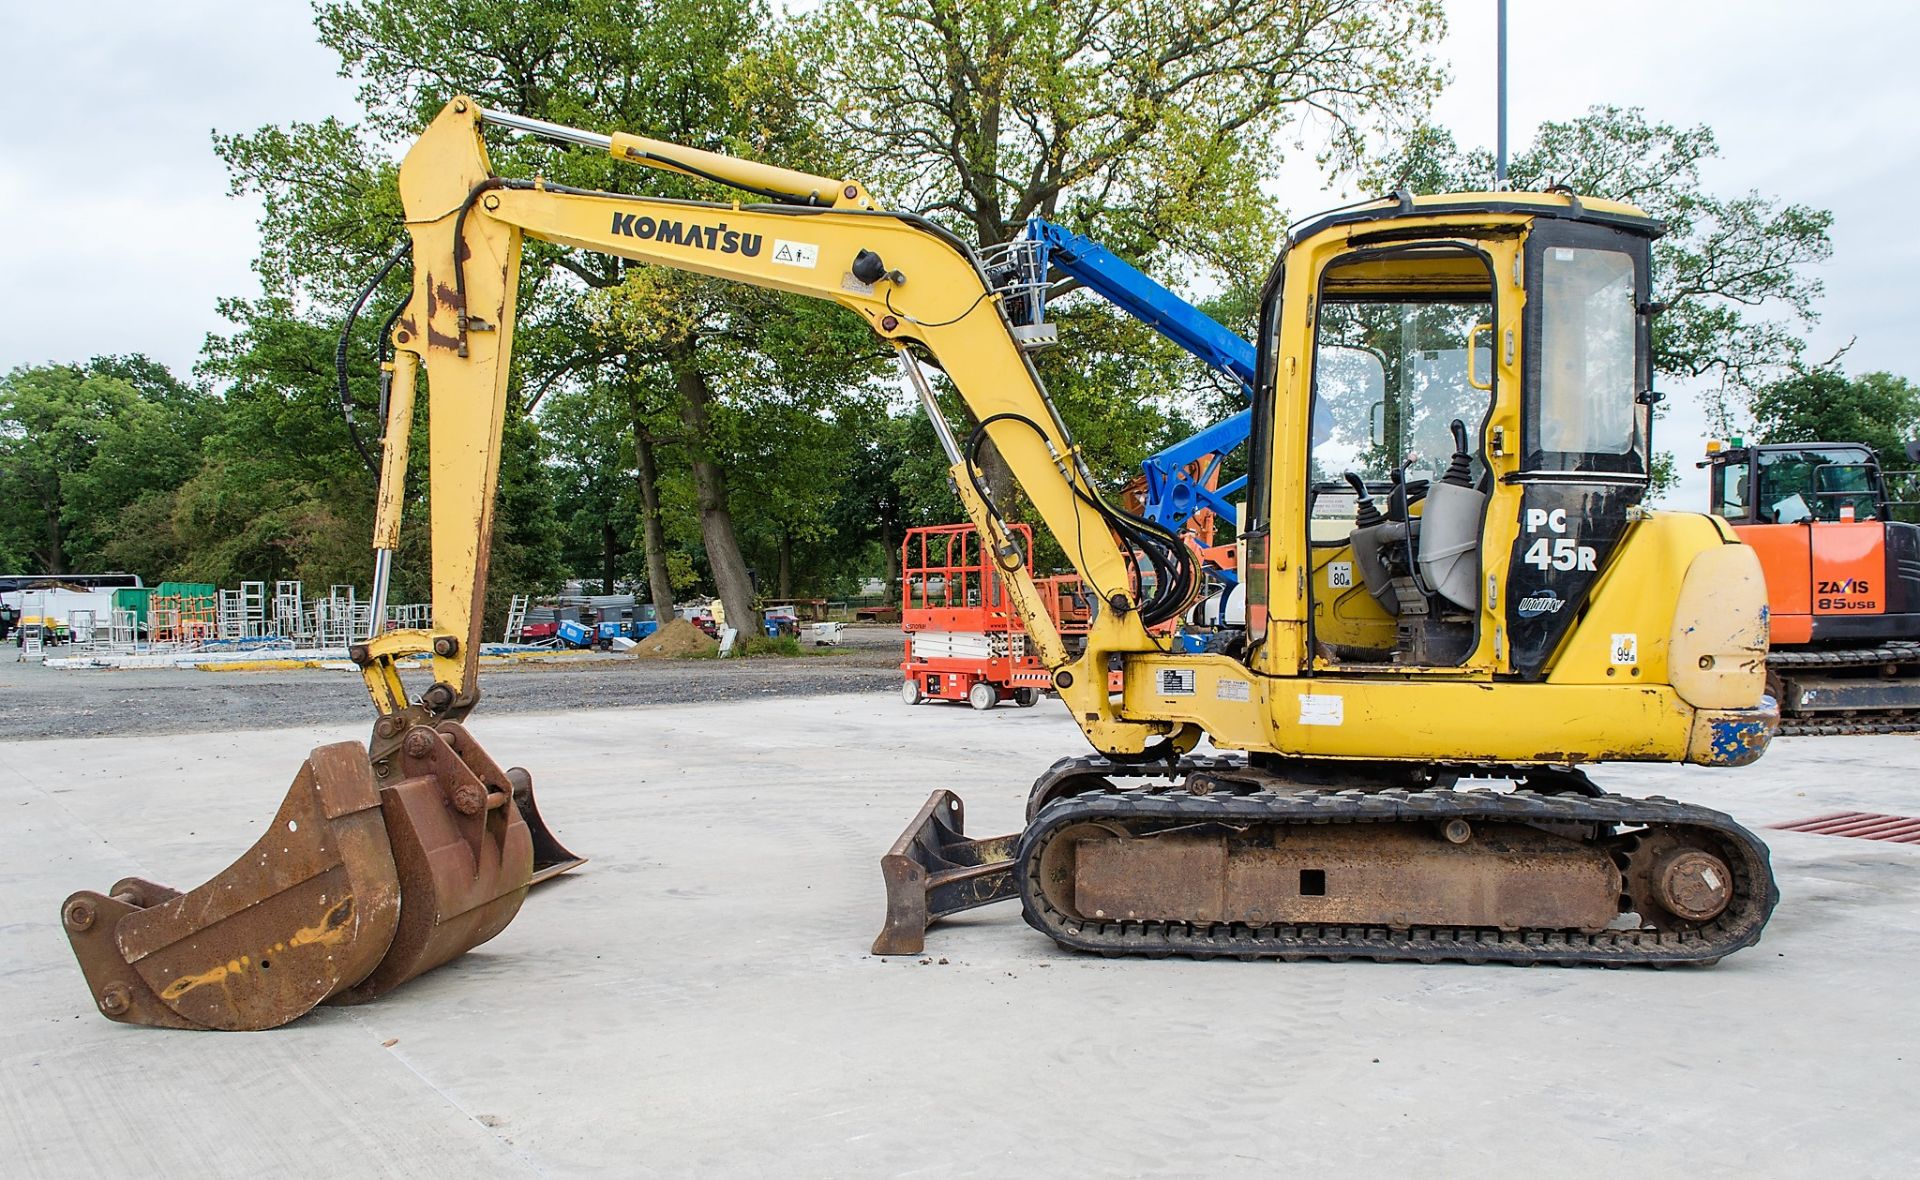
x,y
1177,478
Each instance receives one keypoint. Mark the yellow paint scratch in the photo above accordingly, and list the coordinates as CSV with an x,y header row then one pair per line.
x,y
331,931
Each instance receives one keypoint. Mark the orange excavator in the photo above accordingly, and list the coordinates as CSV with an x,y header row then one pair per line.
x,y
1843,578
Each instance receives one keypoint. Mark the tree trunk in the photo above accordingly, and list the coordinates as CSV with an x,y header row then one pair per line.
x,y
890,548
730,574
786,564
56,553
652,537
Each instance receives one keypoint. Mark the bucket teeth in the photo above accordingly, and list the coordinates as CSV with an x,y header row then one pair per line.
x,y
314,911
550,857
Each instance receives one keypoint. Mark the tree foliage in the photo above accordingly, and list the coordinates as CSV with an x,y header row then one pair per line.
x,y
82,444
1825,405
1734,271
1149,123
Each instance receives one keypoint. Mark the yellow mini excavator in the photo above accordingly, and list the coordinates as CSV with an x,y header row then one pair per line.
x,y
1449,581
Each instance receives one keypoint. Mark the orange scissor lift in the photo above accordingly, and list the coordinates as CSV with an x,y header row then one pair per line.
x,y
964,640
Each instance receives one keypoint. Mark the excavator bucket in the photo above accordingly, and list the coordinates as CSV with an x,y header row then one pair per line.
x,y
933,871
353,890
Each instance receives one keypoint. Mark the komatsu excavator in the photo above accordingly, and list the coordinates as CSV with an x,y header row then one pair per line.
x,y
1478,361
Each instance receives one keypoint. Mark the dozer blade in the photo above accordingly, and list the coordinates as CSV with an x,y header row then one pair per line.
x,y
308,911
353,891
933,871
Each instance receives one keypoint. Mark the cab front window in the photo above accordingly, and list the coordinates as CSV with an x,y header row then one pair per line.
x,y
1586,376
1815,483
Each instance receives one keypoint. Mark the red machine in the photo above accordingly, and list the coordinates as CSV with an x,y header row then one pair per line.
x,y
964,642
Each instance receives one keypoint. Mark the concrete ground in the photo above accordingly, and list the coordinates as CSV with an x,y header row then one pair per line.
x,y
698,1000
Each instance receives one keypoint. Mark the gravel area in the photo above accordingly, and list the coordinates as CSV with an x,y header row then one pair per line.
x,y
38,702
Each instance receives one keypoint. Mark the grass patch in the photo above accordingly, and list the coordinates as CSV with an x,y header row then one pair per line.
x,y
785,645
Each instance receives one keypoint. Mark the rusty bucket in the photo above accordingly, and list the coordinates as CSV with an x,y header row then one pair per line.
x,y
353,890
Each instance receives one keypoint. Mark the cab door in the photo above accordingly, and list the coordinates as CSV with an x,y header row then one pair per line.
x,y
1586,417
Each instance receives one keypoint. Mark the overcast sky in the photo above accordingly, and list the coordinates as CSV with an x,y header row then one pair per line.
x,y
121,235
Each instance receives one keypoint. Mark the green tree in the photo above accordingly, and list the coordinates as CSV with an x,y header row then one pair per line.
x,y
697,71
85,448
588,453
1148,124
1825,405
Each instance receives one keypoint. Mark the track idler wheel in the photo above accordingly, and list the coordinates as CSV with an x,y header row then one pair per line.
x,y
352,891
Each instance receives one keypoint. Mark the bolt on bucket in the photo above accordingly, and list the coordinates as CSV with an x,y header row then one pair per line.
x,y
353,890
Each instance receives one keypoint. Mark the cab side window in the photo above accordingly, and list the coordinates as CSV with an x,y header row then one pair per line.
x,y
1730,491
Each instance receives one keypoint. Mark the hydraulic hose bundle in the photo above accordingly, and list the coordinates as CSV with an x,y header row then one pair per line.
x,y
1176,573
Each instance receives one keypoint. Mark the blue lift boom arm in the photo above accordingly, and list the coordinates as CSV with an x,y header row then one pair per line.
x,y
1174,493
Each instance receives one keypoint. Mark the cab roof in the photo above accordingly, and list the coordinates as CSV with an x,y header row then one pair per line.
x,y
1559,205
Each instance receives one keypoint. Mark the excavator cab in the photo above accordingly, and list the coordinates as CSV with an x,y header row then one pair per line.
x,y
1456,430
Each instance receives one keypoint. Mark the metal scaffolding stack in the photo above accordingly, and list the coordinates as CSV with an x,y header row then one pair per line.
x,y
289,609
247,619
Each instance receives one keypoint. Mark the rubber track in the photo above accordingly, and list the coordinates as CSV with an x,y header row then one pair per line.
x,y
1838,657
1845,726
1755,893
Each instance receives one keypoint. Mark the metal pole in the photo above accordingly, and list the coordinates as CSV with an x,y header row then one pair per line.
x,y
1500,134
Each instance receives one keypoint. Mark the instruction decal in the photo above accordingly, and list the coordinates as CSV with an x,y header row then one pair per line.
x,y
1228,689
1177,682
801,254
1319,708
1626,648
1339,575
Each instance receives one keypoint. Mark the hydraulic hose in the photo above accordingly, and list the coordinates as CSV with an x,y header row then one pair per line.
x,y
1176,575
340,350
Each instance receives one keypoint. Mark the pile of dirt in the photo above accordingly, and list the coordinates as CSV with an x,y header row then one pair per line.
x,y
678,640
